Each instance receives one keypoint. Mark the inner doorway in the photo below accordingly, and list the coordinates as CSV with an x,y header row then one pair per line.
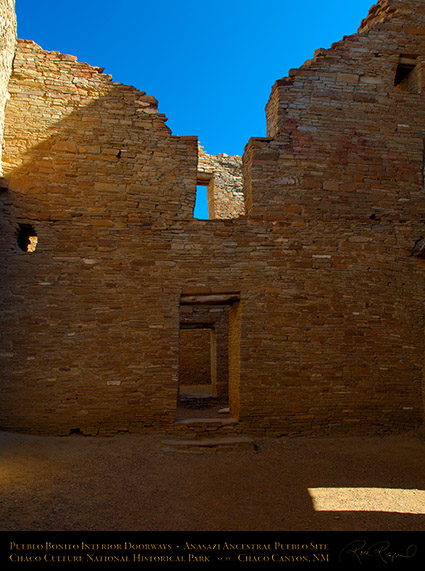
x,y
198,392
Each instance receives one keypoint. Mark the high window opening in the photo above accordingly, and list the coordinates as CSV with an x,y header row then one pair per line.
x,y
201,211
27,239
408,74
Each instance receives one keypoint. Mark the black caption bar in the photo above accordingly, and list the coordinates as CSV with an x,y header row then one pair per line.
x,y
212,550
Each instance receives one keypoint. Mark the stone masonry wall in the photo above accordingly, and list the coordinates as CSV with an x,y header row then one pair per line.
x,y
7,50
222,175
86,320
343,168
195,357
83,166
325,299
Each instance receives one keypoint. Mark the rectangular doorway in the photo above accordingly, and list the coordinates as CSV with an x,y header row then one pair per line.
x,y
209,356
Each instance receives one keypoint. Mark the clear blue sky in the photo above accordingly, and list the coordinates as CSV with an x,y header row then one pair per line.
x,y
210,64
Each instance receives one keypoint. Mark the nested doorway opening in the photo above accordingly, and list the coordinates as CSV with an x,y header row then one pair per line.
x,y
208,384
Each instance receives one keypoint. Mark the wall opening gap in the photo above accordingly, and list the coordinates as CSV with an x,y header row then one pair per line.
x,y
407,76
208,384
27,238
201,211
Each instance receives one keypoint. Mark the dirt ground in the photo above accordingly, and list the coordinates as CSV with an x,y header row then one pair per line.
x,y
128,483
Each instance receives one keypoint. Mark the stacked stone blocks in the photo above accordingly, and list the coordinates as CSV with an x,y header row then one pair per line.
x,y
325,323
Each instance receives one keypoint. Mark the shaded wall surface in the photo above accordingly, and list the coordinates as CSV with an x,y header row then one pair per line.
x,y
327,332
195,357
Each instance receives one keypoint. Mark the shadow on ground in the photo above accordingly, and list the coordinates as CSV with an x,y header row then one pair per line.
x,y
128,483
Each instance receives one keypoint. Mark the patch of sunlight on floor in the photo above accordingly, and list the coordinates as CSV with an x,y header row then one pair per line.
x,y
390,500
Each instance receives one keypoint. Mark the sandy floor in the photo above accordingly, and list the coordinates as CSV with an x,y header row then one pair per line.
x,y
128,483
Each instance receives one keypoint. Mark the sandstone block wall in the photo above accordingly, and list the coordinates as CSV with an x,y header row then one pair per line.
x,y
7,50
341,173
324,299
195,357
87,322
98,147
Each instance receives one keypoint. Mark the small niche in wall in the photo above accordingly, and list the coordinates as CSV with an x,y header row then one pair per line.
x,y
27,238
407,76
